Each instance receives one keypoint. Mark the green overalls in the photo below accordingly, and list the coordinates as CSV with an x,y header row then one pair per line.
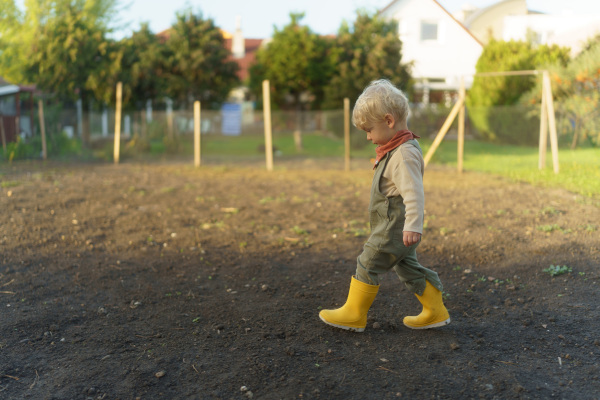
x,y
385,247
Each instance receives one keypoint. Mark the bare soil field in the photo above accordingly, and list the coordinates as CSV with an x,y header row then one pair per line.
x,y
147,281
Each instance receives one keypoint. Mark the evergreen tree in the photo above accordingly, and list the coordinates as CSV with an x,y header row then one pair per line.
x,y
198,65
142,68
370,49
297,65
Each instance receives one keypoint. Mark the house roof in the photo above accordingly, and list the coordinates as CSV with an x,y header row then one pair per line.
x,y
7,88
446,11
487,9
251,47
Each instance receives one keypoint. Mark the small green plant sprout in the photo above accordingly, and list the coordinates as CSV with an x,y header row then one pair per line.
x,y
549,228
298,231
457,268
9,184
549,211
555,270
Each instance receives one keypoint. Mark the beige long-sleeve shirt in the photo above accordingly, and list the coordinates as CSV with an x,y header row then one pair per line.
x,y
403,176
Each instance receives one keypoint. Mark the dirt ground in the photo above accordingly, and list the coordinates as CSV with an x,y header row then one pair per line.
x,y
163,281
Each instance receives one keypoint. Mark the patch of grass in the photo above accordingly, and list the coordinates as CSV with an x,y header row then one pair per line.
x,y
445,231
579,168
549,211
299,231
548,228
7,184
555,270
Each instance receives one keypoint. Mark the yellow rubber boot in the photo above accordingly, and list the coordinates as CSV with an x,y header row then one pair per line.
x,y
434,312
352,316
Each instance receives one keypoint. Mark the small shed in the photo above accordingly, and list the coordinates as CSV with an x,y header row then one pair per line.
x,y
16,110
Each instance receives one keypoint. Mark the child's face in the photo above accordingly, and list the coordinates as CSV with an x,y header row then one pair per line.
x,y
382,132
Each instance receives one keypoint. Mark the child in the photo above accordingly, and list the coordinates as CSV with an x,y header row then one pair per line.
x,y
396,215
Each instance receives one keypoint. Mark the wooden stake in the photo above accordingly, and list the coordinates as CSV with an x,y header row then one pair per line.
x,y
551,122
461,127
118,123
267,118
444,129
2,133
346,134
42,128
197,133
543,143
170,123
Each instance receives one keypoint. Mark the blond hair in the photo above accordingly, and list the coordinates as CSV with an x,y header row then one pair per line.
x,y
379,98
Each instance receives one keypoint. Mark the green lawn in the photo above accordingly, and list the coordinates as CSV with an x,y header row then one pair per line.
x,y
579,169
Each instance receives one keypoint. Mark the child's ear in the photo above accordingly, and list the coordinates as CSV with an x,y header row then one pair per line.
x,y
390,120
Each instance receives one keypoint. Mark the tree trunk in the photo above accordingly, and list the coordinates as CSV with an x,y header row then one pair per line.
x,y
575,137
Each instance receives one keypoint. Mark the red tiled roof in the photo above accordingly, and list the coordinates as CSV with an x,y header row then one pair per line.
x,y
252,46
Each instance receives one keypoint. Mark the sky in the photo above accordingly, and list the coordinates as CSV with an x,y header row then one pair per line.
x,y
258,17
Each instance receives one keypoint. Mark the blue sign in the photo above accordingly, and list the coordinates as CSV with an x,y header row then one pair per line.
x,y
231,119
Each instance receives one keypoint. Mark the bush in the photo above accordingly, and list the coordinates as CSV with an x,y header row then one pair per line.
x,y
508,90
57,146
427,121
518,125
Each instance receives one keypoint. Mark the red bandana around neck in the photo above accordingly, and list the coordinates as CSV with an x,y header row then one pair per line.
x,y
399,138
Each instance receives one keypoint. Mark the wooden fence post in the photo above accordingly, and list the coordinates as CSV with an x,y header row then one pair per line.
x,y
461,128
543,142
118,122
2,133
267,118
551,121
42,128
346,134
197,145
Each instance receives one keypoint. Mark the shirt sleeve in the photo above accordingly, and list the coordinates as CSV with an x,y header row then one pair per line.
x,y
407,176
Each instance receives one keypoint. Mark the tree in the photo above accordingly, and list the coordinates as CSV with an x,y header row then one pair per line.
x,y
576,90
369,50
198,64
142,67
11,56
490,98
510,56
60,45
297,65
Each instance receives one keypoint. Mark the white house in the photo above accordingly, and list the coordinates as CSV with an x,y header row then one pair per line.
x,y
568,30
441,48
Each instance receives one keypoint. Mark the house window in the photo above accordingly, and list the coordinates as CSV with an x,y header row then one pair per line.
x,y
429,31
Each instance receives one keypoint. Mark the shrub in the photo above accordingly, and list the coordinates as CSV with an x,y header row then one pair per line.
x,y
507,90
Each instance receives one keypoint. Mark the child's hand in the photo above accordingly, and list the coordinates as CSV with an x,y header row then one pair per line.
x,y
410,238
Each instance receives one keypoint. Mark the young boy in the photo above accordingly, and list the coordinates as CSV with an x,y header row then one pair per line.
x,y
396,215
